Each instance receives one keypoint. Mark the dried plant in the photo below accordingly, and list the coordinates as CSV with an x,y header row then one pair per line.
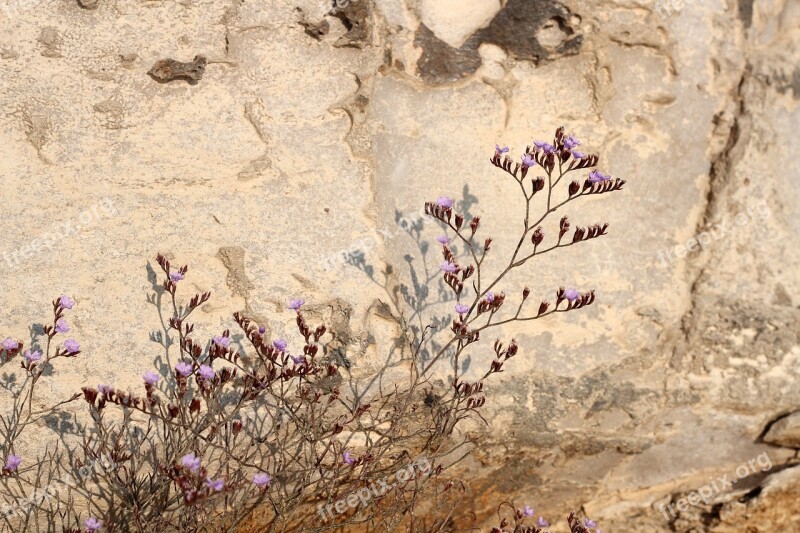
x,y
227,434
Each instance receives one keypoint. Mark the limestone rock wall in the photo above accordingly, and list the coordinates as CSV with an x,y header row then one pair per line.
x,y
284,172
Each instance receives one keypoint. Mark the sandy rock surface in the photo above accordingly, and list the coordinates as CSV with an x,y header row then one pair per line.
x,y
284,170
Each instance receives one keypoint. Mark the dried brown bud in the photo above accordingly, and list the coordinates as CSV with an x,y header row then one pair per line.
x,y
574,187
474,224
525,293
89,394
236,427
537,237
564,225
486,244
459,221
543,308
194,406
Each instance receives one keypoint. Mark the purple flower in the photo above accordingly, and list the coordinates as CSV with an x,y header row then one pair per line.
x,y
299,360
347,458
150,377
62,326
547,147
543,522
578,155
220,340
571,294
183,368
448,267
191,461
596,176
589,523
261,480
500,150
445,202
175,277
215,484
279,345
443,239
32,357
528,511
92,524
13,462
528,161
262,330
71,346
296,304
490,296
461,309
66,302
571,142
105,389
206,372
10,344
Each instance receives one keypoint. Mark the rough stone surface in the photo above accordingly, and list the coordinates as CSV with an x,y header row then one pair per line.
x,y
293,166
785,432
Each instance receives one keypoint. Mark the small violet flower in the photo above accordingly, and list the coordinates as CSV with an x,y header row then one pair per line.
x,y
183,368
543,522
571,142
32,356
571,294
92,524
448,267
13,462
279,345
500,150
105,389
461,309
296,304
10,344
71,346
347,458
443,239
206,372
596,176
175,277
66,302
62,326
262,330
261,480
589,523
547,147
578,155
150,377
220,340
191,461
490,296
528,511
215,484
299,360
528,161
444,201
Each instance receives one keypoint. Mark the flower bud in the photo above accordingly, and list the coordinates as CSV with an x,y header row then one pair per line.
x,y
537,237
574,187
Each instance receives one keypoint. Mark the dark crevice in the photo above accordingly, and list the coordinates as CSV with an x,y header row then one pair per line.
x,y
719,174
515,29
